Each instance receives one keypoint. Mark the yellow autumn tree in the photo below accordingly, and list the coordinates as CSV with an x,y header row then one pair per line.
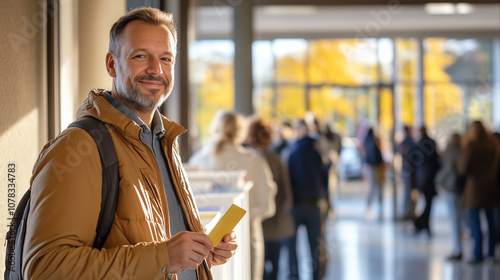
x,y
215,92
341,62
407,65
442,98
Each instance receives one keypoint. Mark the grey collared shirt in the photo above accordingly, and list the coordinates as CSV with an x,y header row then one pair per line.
x,y
177,217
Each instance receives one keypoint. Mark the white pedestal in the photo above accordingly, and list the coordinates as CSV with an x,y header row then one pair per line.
x,y
214,192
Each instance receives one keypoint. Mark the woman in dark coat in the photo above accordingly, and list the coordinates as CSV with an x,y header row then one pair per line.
x,y
478,162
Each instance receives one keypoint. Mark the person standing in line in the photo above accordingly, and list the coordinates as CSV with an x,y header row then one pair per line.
x,y
280,227
375,162
335,147
285,135
478,163
226,153
309,181
496,137
425,160
407,174
326,148
451,183
156,231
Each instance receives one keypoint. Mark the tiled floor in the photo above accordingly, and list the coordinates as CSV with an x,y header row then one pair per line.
x,y
364,248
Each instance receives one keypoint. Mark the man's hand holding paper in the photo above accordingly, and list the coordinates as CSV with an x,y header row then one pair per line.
x,y
224,250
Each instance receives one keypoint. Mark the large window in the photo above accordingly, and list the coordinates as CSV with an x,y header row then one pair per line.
x,y
406,81
212,81
350,83
457,83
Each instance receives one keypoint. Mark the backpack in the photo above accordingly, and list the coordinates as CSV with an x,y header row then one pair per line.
x,y
373,155
110,178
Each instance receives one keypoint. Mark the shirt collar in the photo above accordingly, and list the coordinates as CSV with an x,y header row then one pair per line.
x,y
157,123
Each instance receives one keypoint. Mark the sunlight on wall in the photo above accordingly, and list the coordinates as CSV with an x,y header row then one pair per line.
x,y
19,152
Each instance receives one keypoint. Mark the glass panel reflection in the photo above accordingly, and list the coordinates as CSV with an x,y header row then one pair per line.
x,y
290,102
343,62
211,80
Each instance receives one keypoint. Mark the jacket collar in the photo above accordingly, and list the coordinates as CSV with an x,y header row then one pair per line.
x,y
97,106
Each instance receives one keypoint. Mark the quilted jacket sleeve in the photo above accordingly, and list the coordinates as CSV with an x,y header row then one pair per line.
x,y
66,196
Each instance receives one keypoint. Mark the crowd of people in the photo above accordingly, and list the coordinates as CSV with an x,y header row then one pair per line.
x,y
292,179
466,172
291,176
292,182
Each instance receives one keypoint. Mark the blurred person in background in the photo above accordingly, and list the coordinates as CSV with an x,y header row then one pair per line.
x,y
284,138
425,159
496,136
317,132
226,152
280,227
309,181
407,174
452,185
375,162
478,163
335,146
326,144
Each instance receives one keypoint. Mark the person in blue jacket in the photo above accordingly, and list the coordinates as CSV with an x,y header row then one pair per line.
x,y
309,181
407,174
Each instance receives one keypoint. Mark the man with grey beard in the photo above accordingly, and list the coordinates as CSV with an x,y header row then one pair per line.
x,y
156,231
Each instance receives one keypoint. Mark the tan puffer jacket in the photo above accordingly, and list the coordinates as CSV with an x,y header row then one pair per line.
x,y
66,196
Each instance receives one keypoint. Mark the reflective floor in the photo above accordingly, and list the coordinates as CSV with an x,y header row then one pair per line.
x,y
362,247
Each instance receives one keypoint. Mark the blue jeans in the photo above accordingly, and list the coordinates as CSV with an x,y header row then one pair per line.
x,y
310,217
272,253
477,234
456,214
375,189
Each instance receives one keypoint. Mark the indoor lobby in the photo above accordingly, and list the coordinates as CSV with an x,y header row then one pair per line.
x,y
353,65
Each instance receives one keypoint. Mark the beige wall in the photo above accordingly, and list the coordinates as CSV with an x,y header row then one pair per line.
x,y
23,102
22,105
95,19
84,43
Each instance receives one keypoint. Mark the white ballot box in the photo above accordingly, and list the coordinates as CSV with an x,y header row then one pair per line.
x,y
214,192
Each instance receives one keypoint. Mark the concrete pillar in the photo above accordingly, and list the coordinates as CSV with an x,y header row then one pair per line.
x,y
177,107
243,38
495,79
420,84
68,57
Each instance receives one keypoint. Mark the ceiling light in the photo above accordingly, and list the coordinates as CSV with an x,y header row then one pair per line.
x,y
448,8
440,8
289,10
464,8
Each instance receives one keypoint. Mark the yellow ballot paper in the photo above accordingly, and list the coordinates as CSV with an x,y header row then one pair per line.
x,y
226,224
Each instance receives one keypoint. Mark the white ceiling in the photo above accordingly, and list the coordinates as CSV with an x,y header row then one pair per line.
x,y
215,22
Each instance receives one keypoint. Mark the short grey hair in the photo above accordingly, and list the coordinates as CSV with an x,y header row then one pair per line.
x,y
148,15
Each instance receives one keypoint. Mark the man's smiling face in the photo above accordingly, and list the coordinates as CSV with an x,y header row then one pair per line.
x,y
144,70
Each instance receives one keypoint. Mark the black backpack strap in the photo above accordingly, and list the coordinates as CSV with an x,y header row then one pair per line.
x,y
15,239
110,175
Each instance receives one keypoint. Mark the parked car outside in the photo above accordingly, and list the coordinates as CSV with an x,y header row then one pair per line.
x,y
351,161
